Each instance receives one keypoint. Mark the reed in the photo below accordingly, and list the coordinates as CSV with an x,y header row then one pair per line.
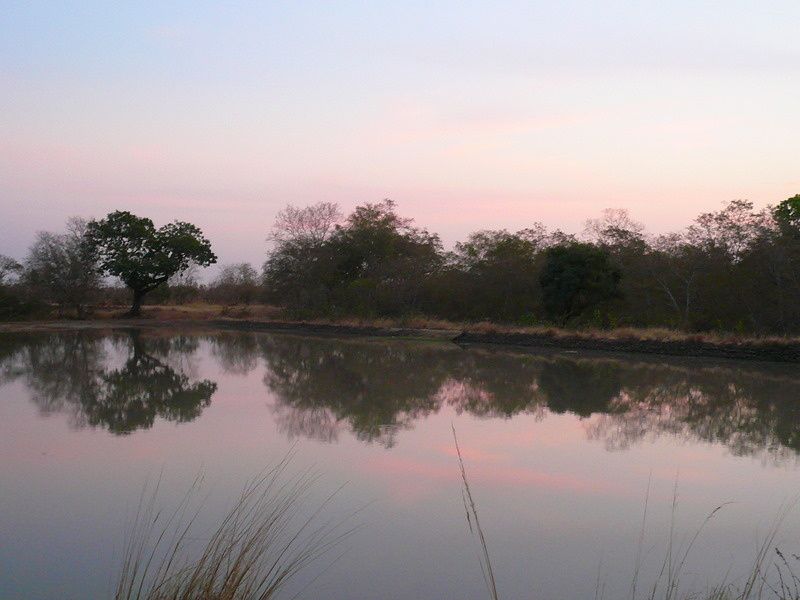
x,y
261,544
771,575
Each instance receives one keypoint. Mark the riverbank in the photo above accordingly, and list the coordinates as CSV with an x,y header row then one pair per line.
x,y
627,340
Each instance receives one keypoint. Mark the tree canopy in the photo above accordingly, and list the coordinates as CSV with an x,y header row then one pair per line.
x,y
577,278
787,212
143,257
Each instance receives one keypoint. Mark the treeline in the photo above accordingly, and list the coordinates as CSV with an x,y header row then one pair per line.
x,y
737,269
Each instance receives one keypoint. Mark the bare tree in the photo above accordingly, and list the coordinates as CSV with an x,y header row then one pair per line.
x,y
731,230
62,267
9,269
677,266
614,228
310,224
236,283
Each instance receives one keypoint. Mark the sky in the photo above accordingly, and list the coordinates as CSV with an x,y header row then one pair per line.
x,y
470,115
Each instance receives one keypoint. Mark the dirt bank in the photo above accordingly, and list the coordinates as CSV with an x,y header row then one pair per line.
x,y
773,350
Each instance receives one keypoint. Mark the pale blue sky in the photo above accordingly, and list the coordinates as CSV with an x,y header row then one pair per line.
x,y
468,114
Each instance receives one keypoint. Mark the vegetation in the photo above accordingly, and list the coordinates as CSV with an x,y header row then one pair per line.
x,y
575,278
14,304
62,269
263,543
733,270
736,270
236,284
259,546
143,257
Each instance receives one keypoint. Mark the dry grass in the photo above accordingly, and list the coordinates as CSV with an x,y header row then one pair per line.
x,y
262,313
626,334
198,311
261,544
472,517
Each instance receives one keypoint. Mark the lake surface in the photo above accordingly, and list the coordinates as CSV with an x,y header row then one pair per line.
x,y
559,449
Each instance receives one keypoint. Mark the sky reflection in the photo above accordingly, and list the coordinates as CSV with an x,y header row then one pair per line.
x,y
559,449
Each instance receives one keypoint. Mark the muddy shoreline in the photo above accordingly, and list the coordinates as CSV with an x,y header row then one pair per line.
x,y
766,351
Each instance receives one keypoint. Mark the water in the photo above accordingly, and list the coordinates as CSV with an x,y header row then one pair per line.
x,y
559,449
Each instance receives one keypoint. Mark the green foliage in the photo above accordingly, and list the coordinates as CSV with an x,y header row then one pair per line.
x,y
373,264
15,301
735,269
143,257
577,278
14,305
500,274
787,213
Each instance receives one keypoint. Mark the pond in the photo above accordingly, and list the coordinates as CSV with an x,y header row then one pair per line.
x,y
562,451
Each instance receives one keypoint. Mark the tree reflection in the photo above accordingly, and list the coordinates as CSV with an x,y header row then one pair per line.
x,y
236,352
375,388
322,387
752,413
70,373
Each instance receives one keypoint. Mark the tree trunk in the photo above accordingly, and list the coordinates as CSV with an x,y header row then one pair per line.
x,y
136,307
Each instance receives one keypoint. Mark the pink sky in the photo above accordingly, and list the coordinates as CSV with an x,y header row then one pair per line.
x,y
486,116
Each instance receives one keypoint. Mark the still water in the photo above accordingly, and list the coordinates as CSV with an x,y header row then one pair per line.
x,y
559,449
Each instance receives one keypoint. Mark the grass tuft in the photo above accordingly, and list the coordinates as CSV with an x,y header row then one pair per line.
x,y
261,544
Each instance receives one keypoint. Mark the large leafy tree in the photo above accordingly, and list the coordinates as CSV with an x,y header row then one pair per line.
x,y
577,278
375,263
380,261
143,257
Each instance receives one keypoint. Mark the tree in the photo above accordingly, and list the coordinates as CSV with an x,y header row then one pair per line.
x,y
311,224
13,304
62,268
676,267
380,261
577,277
143,257
615,229
236,283
787,213
9,269
375,263
632,252
500,272
730,231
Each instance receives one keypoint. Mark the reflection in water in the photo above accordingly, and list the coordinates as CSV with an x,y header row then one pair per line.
x,y
374,388
322,387
71,373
